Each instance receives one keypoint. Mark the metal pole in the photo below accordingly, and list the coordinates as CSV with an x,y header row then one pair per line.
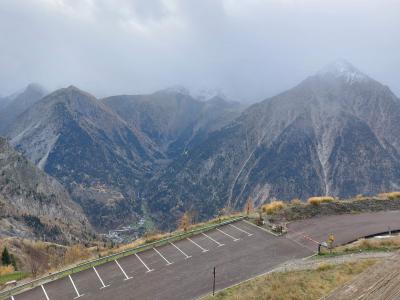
x,y
214,283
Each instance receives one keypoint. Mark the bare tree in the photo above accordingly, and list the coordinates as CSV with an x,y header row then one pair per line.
x,y
249,207
185,221
37,260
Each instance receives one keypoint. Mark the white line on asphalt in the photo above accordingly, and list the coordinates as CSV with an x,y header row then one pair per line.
x,y
101,280
193,242
148,269
162,256
240,229
300,244
122,270
186,256
209,237
44,291
233,238
12,298
261,228
76,290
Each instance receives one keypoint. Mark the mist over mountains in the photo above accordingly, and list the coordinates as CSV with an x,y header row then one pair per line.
x,y
158,155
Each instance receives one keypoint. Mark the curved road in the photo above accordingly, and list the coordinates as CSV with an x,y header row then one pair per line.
x,y
345,228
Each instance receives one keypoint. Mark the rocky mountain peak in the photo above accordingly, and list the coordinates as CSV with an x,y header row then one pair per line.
x,y
343,69
177,89
35,87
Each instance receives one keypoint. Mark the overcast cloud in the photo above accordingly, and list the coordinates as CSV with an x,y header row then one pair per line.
x,y
249,48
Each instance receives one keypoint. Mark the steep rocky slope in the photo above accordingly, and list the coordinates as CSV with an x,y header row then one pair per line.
x,y
336,133
33,204
92,151
172,118
16,104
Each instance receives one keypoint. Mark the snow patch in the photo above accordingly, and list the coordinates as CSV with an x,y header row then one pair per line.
x,y
343,69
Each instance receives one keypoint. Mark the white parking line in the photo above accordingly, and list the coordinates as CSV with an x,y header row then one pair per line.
x,y
101,280
122,270
44,291
193,242
186,256
261,228
209,237
12,298
148,269
240,229
233,238
76,290
162,256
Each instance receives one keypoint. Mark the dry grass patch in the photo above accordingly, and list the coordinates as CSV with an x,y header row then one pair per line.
x,y
307,284
390,196
319,200
374,244
273,207
4,270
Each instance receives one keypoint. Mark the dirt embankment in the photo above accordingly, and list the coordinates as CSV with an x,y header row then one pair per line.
x,y
306,211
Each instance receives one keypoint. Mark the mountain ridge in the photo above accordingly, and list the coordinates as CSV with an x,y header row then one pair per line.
x,y
300,143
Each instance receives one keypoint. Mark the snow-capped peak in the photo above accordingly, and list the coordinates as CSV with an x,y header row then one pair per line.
x,y
176,89
343,69
205,94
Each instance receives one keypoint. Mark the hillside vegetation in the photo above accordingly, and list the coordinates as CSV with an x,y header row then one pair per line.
x,y
305,284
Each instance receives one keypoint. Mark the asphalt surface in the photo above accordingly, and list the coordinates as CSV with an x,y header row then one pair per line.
x,y
183,270
345,228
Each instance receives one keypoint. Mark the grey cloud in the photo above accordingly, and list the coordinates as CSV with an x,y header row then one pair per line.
x,y
250,49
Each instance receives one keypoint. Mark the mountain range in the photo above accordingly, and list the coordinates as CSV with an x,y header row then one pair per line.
x,y
158,155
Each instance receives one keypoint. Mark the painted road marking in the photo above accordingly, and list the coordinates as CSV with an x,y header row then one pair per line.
x,y
186,256
101,280
45,293
12,298
162,256
261,228
122,270
148,269
76,290
209,237
233,238
307,237
240,229
193,242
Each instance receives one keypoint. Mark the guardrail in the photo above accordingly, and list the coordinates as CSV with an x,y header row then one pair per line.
x,y
83,266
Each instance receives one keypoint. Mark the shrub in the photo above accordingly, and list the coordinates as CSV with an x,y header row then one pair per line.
x,y
4,270
389,196
393,195
296,201
319,200
75,253
273,207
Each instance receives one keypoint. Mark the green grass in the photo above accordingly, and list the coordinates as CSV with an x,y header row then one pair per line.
x,y
13,276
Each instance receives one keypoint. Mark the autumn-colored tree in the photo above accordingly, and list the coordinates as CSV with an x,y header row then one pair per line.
x,y
185,221
74,254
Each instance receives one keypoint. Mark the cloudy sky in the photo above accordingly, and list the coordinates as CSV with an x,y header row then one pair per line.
x,y
250,49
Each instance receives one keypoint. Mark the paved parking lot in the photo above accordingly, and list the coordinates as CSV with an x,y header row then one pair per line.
x,y
183,269
180,270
